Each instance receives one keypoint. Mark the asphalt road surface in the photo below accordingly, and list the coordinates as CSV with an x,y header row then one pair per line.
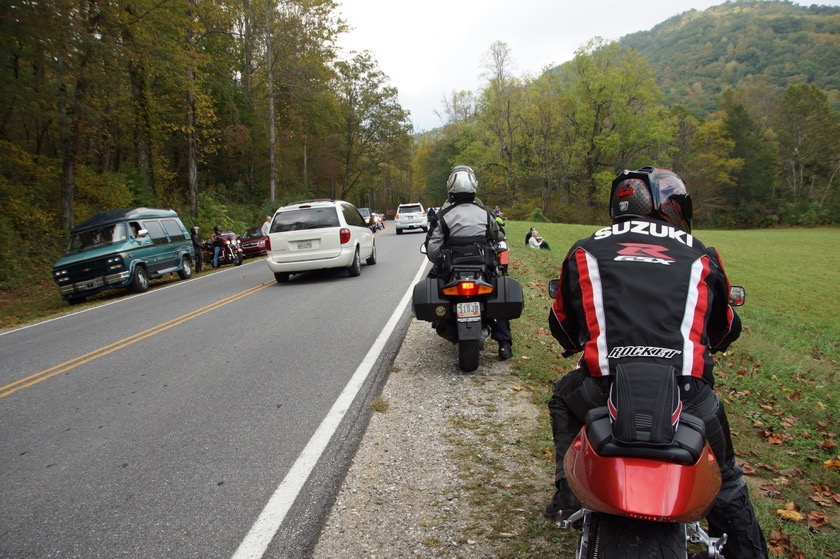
x,y
213,417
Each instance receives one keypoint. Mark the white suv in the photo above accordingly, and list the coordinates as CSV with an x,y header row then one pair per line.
x,y
410,216
318,234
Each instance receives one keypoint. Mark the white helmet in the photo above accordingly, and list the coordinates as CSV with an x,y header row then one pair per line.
x,y
461,181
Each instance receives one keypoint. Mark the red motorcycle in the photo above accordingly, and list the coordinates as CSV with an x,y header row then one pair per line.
x,y
643,471
231,249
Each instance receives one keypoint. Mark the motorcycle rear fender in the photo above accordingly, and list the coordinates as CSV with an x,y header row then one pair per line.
x,y
469,330
640,487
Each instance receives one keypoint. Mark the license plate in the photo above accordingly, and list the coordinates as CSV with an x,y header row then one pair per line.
x,y
90,285
304,244
468,312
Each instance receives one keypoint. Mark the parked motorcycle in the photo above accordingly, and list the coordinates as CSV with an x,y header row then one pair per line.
x,y
465,294
643,470
231,252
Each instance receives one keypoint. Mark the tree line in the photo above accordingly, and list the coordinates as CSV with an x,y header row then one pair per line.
x,y
225,110
549,146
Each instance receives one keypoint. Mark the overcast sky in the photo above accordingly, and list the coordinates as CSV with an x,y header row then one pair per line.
x,y
429,48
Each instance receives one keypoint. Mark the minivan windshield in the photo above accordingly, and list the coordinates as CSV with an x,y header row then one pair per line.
x,y
90,238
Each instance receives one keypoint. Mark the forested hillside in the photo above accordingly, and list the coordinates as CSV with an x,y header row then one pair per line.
x,y
698,55
223,111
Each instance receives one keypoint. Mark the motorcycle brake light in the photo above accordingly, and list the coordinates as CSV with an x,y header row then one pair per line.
x,y
468,289
344,235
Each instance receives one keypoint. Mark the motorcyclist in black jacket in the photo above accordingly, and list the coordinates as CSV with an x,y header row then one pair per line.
x,y
646,290
465,220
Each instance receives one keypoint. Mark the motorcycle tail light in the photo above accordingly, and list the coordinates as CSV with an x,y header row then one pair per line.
x,y
344,235
468,289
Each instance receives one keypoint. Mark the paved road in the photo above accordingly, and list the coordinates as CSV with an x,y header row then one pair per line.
x,y
191,421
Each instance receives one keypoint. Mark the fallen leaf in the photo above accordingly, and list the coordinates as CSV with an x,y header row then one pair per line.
x,y
791,515
828,444
817,520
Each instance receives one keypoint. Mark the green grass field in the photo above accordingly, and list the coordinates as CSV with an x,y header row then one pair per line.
x,y
779,380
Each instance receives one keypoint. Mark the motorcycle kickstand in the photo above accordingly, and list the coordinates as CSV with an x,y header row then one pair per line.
x,y
571,520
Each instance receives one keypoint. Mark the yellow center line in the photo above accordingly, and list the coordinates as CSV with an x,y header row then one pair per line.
x,y
40,376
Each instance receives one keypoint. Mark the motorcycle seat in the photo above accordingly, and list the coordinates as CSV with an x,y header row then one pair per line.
x,y
688,444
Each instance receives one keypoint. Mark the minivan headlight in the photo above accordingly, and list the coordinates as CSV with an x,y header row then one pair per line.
x,y
115,263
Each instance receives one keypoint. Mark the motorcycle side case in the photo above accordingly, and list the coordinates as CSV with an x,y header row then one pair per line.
x,y
507,300
639,487
427,303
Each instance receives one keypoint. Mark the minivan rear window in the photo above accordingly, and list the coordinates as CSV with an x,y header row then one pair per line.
x,y
305,218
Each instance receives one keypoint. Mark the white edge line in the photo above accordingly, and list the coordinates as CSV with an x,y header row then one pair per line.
x,y
257,540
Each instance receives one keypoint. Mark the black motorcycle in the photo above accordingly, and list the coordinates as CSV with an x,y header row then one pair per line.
x,y
463,295
230,253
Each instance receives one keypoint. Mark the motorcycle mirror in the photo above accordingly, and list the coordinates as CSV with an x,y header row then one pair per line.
x,y
423,248
552,287
737,295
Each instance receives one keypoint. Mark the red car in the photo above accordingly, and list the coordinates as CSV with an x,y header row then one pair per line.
x,y
253,242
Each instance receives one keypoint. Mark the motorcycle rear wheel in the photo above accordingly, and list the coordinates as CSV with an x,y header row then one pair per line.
x,y
468,354
618,537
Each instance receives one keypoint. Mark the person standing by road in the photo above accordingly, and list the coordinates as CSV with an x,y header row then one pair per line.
x,y
266,225
196,241
645,283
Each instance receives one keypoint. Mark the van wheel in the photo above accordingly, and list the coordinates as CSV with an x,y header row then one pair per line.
x,y
76,300
281,277
186,268
356,267
140,283
371,260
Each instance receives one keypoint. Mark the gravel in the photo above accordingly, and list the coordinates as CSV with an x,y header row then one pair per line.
x,y
433,463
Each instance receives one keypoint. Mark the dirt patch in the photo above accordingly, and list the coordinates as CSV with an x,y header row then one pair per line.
x,y
446,450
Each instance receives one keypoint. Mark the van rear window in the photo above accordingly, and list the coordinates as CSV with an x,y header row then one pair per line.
x,y
305,218
174,230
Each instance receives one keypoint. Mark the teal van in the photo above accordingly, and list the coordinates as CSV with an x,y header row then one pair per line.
x,y
123,248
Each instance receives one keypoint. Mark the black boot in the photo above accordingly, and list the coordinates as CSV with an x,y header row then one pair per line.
x,y
505,351
563,504
733,514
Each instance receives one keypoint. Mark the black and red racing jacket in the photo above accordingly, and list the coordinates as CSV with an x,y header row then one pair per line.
x,y
643,290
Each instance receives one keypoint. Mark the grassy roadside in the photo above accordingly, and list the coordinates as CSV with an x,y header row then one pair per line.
x,y
779,381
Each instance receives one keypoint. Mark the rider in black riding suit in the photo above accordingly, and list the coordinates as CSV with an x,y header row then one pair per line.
x,y
645,290
466,221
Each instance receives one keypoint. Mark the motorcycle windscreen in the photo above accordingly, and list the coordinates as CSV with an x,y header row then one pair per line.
x,y
640,487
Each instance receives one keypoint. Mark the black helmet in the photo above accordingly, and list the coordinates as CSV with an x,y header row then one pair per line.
x,y
217,229
651,192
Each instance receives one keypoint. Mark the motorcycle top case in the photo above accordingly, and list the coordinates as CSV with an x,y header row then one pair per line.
x,y
427,303
507,300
